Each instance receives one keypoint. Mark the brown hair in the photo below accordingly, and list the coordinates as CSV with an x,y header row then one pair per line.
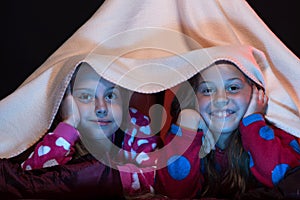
x,y
237,177
185,97
80,150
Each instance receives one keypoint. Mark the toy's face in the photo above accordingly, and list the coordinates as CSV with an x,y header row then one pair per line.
x,y
223,94
99,103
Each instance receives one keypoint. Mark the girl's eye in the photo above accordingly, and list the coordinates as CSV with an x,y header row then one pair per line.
x,y
110,96
233,88
85,97
206,91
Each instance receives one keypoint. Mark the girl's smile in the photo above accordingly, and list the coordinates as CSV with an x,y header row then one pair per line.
x,y
223,95
103,123
221,113
99,102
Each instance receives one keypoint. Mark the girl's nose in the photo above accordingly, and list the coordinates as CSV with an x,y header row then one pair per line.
x,y
220,100
101,108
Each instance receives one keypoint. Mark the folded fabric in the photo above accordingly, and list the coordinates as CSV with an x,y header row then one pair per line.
x,y
150,46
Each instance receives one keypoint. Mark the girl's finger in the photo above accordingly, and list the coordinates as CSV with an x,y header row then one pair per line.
x,y
255,92
210,140
207,146
262,95
68,90
265,98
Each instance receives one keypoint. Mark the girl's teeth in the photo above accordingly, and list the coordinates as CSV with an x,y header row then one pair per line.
x,y
221,114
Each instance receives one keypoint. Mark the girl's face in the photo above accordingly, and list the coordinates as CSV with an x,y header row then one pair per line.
x,y
99,103
223,94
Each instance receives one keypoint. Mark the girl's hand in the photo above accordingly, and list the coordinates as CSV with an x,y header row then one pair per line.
x,y
258,102
69,110
208,141
191,119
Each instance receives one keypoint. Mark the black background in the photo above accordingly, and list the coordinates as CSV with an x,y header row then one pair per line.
x,y
32,30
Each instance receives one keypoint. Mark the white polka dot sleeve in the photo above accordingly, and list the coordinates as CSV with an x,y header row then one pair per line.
x,y
56,148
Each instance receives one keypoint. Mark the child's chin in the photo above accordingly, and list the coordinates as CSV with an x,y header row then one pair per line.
x,y
229,130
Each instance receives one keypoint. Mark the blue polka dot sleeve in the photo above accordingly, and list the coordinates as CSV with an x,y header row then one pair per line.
x,y
271,150
181,176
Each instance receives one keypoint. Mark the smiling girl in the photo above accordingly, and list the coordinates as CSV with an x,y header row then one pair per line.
x,y
93,120
234,148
